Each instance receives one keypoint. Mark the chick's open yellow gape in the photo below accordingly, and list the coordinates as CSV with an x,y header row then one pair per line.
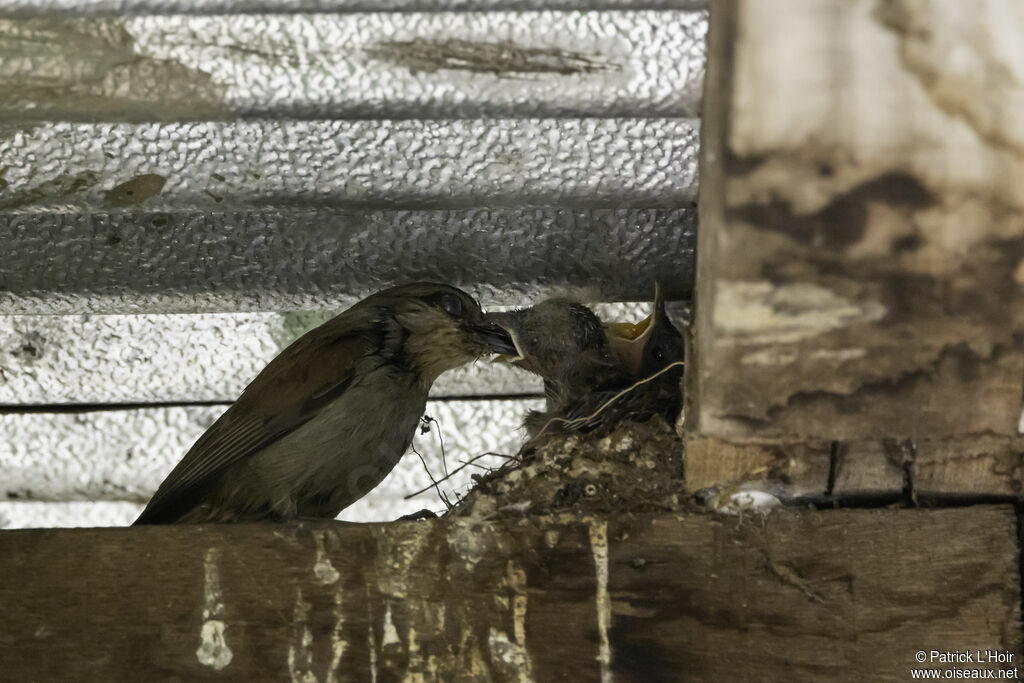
x,y
508,358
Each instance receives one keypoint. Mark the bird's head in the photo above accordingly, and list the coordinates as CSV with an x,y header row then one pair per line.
x,y
441,327
560,340
648,346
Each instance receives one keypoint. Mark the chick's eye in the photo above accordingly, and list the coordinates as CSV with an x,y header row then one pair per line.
x,y
451,304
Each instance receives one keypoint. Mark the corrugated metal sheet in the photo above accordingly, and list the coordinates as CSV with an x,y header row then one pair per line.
x,y
241,158
326,259
131,359
365,65
124,454
217,166
29,8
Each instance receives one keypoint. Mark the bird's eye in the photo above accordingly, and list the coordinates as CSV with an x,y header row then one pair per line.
x,y
451,304
657,353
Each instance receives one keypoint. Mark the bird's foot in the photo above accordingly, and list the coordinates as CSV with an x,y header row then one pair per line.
x,y
422,514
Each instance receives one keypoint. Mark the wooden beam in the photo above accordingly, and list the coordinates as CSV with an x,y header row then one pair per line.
x,y
978,466
833,595
861,251
788,470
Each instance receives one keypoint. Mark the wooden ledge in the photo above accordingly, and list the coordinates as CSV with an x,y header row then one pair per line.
x,y
826,595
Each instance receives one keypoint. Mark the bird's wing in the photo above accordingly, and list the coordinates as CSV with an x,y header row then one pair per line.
x,y
289,392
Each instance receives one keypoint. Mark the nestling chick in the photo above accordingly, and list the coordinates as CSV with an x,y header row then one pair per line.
x,y
565,344
651,350
331,415
588,366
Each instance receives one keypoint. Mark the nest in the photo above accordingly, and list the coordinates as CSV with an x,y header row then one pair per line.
x,y
637,467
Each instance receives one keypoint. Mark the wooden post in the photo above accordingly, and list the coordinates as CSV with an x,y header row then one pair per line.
x,y
861,249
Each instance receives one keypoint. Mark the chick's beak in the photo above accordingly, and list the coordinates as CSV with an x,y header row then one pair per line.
x,y
628,339
505,322
495,337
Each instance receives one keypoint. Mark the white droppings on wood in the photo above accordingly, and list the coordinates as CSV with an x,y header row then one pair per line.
x,y
390,632
599,548
509,653
1020,424
338,642
323,570
762,312
414,672
760,502
517,581
468,542
398,549
372,643
213,648
300,650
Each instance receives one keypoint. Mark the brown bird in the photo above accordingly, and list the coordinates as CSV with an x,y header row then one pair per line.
x,y
594,372
331,415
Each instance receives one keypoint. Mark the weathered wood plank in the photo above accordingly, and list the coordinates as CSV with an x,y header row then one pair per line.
x,y
784,469
981,466
836,595
861,257
871,468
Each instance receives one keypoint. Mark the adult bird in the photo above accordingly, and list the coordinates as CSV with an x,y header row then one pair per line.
x,y
331,415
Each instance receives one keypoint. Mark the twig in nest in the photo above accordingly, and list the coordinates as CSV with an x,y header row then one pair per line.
x,y
583,420
453,472
434,483
427,420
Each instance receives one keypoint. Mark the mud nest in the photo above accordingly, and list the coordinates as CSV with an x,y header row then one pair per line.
x,y
638,467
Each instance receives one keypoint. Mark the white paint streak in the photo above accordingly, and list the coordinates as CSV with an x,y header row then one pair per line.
x,y
599,548
390,632
323,570
213,648
300,651
338,642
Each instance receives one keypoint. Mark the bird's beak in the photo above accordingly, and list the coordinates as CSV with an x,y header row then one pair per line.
x,y
628,339
496,338
504,321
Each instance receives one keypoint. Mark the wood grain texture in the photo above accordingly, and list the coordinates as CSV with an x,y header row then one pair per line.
x,y
981,466
861,259
834,595
871,468
783,469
